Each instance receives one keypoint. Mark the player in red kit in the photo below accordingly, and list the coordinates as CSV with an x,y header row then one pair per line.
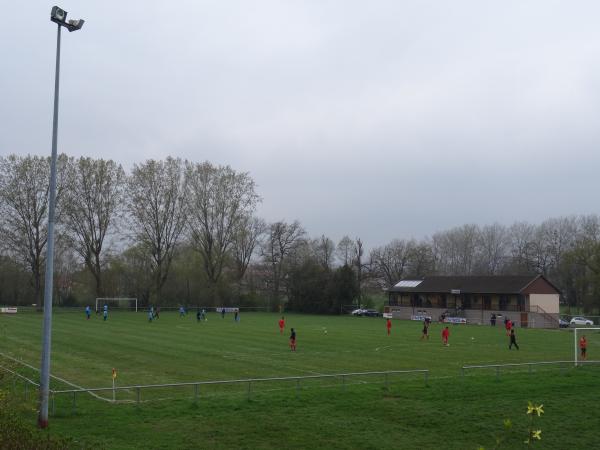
x,y
509,325
281,325
445,336
388,325
583,347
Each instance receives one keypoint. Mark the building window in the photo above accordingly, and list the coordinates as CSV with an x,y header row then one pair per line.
x,y
503,302
487,302
466,303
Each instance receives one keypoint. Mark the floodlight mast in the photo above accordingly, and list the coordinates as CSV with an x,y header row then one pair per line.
x,y
58,16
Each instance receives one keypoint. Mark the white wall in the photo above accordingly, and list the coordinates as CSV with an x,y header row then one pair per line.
x,y
548,302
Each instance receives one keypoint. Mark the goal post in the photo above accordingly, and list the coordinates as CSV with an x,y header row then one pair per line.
x,y
576,335
131,302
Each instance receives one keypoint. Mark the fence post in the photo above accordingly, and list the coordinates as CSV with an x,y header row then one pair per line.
x,y
249,387
427,378
137,392
462,372
344,383
74,402
196,392
497,373
387,386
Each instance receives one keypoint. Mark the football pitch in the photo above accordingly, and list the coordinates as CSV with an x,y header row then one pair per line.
x,y
179,349
174,349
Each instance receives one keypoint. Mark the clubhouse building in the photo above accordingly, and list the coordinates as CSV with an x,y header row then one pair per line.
x,y
528,301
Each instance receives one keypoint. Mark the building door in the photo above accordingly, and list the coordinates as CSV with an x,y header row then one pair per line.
x,y
524,321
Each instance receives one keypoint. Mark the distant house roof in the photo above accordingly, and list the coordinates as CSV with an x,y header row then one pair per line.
x,y
500,284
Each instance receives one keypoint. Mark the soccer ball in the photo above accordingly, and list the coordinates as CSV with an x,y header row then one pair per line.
x,y
472,338
325,331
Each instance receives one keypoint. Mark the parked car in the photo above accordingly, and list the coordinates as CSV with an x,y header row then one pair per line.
x,y
581,321
365,312
563,323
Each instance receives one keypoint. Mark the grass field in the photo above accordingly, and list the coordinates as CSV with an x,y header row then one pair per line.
x,y
450,410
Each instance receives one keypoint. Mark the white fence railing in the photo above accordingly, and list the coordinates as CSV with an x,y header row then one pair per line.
x,y
249,382
344,378
26,384
529,365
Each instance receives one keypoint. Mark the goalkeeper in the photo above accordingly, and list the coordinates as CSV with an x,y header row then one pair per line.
x,y
583,347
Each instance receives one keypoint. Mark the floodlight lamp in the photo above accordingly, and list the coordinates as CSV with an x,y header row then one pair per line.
x,y
75,24
58,15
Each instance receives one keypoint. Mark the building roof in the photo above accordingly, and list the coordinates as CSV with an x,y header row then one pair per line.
x,y
498,284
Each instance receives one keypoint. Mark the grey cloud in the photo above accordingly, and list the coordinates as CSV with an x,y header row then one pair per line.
x,y
380,120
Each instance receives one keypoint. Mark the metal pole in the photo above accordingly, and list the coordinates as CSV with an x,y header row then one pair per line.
x,y
575,344
47,334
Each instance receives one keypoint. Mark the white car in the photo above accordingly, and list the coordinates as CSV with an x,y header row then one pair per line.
x,y
358,312
581,321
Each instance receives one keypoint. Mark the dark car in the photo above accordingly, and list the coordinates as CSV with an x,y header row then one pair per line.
x,y
563,323
371,313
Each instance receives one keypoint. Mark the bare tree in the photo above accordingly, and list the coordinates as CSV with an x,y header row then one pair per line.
x,y
359,265
323,248
537,252
345,250
218,200
245,242
560,235
158,213
422,261
455,250
390,262
92,201
521,234
493,244
280,243
24,185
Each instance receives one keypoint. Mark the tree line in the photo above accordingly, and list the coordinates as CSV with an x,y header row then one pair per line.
x,y
174,232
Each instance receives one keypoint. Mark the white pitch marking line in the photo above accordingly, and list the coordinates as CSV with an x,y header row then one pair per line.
x,y
383,348
54,376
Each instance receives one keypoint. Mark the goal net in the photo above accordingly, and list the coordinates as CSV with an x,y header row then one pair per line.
x,y
592,337
129,304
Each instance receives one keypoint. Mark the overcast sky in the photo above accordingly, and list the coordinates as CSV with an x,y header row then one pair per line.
x,y
379,120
